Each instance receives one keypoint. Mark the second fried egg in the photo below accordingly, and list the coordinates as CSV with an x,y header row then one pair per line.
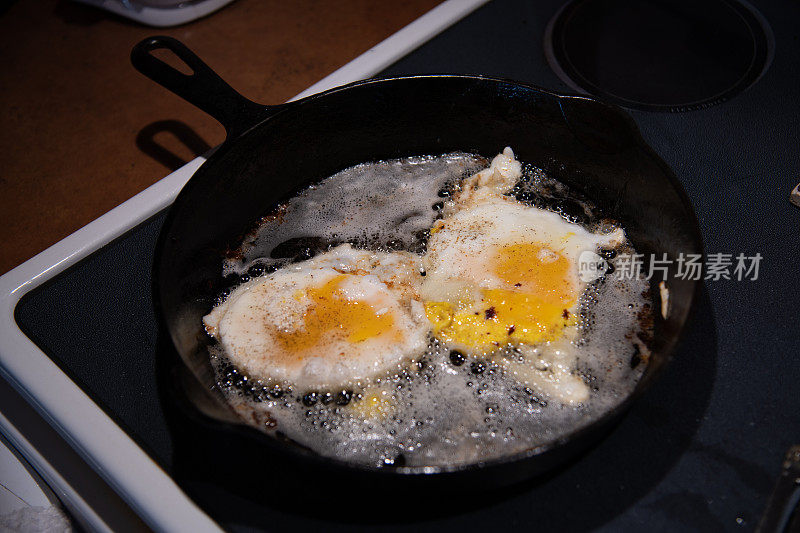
x,y
500,272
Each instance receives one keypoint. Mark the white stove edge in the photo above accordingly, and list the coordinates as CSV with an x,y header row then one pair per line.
x,y
103,444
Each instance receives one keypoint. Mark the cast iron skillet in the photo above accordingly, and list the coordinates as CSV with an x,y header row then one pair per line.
x,y
272,152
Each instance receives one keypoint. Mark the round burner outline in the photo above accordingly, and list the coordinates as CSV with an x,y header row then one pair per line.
x,y
761,40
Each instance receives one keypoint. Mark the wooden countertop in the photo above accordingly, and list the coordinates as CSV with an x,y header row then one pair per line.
x,y
80,125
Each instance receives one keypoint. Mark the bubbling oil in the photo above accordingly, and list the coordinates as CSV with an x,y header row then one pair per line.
x,y
444,408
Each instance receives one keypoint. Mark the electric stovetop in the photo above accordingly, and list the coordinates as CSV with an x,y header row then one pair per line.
x,y
702,449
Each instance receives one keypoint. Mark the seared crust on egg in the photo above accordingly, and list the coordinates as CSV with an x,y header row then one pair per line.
x,y
490,183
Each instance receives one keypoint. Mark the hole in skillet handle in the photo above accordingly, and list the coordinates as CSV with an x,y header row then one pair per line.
x,y
203,87
172,60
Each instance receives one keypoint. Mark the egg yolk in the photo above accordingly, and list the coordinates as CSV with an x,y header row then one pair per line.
x,y
533,308
332,316
536,270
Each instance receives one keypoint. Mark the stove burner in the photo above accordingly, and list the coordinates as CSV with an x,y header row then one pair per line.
x,y
662,55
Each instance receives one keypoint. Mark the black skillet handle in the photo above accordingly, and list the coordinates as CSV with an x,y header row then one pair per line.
x,y
203,87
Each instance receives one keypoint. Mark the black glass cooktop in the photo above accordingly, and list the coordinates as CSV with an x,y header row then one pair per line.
x,y
700,451
657,54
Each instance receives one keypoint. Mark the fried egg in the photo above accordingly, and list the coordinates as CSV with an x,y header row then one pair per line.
x,y
340,317
502,273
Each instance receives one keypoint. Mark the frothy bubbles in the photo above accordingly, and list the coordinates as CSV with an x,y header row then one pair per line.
x,y
445,407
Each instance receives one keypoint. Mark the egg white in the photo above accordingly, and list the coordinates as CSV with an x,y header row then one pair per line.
x,y
261,325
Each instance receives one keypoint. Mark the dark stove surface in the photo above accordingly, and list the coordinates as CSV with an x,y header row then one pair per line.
x,y
700,451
